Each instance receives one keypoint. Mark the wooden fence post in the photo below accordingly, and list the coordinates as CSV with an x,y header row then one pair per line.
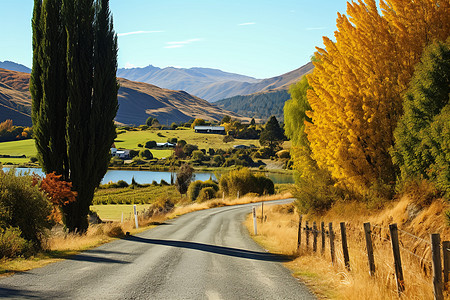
x,y
299,237
262,212
332,253
397,259
314,237
437,267
322,229
307,235
446,254
344,246
369,246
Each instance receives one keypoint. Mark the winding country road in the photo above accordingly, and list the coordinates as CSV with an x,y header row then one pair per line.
x,y
201,255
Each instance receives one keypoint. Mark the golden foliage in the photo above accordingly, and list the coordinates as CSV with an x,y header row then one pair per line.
x,y
358,83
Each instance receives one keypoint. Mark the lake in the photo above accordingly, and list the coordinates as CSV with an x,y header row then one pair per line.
x,y
144,177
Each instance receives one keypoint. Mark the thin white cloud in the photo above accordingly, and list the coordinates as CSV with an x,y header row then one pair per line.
x,y
315,28
138,32
247,24
180,44
129,66
174,46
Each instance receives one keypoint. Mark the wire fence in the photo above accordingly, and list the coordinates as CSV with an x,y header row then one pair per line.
x,y
432,255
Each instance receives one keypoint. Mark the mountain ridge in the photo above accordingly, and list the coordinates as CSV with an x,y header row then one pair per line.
x,y
211,84
137,101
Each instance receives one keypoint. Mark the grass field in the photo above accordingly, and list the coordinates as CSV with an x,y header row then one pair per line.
x,y
114,212
17,148
130,139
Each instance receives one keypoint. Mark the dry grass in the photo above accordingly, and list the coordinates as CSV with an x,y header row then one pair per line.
x,y
279,235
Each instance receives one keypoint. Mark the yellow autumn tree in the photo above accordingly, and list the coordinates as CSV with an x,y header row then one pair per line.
x,y
358,82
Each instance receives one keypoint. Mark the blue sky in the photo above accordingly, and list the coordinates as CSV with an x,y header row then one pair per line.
x,y
259,38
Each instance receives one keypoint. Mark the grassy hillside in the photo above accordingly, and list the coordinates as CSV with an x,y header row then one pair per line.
x,y
137,101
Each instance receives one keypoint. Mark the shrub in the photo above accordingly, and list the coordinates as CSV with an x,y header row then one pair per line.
x,y
228,138
145,154
23,206
150,144
12,244
172,140
244,181
116,161
134,153
140,145
218,160
122,184
283,154
206,193
198,155
183,180
188,149
33,159
196,186
116,231
181,143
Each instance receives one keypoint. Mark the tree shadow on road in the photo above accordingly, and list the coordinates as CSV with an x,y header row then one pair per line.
x,y
235,252
20,293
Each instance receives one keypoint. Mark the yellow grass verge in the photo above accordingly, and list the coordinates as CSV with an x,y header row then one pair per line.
x,y
61,245
279,235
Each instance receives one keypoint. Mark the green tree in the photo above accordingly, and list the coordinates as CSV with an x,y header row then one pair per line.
x,y
151,121
225,119
315,189
74,92
422,137
272,134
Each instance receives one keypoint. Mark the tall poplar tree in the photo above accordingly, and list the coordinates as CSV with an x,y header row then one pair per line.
x,y
74,90
358,83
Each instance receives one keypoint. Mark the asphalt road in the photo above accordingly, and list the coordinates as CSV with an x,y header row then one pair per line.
x,y
202,255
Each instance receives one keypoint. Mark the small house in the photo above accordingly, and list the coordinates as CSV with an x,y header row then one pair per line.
x,y
122,154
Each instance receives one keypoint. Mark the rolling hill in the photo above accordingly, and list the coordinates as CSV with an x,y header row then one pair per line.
x,y
211,84
137,101
10,65
195,81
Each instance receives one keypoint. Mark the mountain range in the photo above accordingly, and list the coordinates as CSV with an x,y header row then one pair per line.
x,y
137,101
211,84
240,96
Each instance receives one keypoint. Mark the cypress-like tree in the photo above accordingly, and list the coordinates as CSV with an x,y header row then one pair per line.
x,y
75,117
272,134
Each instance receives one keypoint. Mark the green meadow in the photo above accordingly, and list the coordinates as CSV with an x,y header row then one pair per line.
x,y
130,140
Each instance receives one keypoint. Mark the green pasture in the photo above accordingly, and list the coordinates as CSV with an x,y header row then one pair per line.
x,y
17,148
23,147
130,139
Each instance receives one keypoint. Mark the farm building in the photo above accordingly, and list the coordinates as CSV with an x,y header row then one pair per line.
x,y
210,129
123,154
